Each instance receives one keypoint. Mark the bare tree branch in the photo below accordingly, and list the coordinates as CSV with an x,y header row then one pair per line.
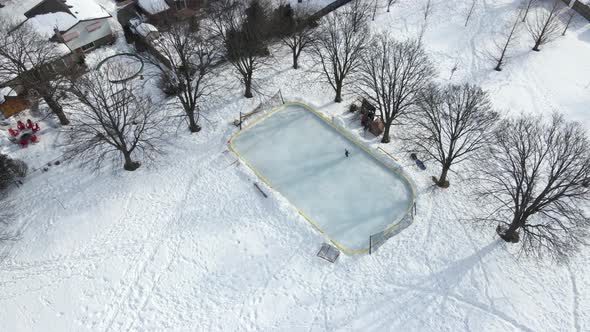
x,y
526,7
538,180
452,124
190,55
544,26
393,75
34,62
114,121
504,45
340,43
243,29
294,29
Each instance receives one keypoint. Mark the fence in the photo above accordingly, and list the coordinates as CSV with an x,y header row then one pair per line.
x,y
377,239
267,104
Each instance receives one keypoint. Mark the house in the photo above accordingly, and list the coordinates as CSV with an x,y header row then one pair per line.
x,y
156,11
81,25
75,26
164,12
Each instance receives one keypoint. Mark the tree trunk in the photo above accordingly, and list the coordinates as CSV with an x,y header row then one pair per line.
x,y
498,66
248,82
442,179
57,109
192,124
511,234
129,165
526,12
536,47
338,97
295,64
385,138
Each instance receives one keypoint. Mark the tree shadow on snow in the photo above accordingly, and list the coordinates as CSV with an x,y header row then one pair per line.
x,y
438,294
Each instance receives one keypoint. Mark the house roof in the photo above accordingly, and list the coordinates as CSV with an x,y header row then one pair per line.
x,y
153,7
79,10
16,9
46,23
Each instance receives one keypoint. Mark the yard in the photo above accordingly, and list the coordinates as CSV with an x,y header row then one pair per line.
x,y
188,243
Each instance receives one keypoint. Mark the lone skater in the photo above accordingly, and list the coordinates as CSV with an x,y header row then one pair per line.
x,y
346,153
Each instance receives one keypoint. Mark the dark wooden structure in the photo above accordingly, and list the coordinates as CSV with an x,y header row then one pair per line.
x,y
13,105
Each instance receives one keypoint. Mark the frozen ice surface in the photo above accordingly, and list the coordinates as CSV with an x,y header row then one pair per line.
x,y
303,158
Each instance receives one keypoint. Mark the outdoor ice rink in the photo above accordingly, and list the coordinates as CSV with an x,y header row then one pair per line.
x,y
303,157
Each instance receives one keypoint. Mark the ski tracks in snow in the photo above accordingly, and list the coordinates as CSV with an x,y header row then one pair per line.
x,y
142,278
576,299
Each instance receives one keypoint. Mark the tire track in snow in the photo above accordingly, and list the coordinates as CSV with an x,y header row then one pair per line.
x,y
576,297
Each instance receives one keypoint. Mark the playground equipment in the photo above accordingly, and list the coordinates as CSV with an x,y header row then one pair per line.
x,y
129,60
24,133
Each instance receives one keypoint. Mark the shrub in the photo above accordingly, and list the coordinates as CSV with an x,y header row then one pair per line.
x,y
11,170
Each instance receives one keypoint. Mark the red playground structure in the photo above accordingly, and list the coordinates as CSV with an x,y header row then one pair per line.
x,y
25,133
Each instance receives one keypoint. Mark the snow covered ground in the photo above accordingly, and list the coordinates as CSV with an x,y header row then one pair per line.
x,y
188,244
302,157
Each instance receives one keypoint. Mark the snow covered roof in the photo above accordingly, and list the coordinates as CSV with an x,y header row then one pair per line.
x,y
153,6
46,23
79,10
16,9
86,9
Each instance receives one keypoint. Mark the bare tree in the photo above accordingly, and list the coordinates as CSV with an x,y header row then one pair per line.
x,y
503,46
358,13
526,7
189,55
11,170
375,6
114,121
339,47
545,25
295,30
570,19
426,13
29,58
393,75
470,13
538,180
390,3
427,10
452,124
243,28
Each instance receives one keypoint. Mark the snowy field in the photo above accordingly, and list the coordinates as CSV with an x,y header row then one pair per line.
x,y
187,243
303,158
